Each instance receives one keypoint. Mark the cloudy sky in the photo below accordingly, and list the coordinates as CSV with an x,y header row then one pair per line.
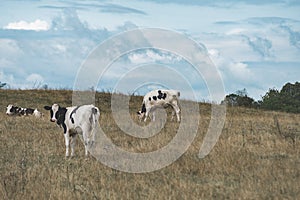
x,y
254,44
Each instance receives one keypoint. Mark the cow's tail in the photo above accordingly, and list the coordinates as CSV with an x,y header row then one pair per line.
x,y
94,117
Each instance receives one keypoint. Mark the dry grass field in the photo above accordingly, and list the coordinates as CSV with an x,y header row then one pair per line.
x,y
256,157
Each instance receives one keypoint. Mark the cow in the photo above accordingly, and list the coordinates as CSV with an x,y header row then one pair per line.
x,y
75,120
160,99
18,111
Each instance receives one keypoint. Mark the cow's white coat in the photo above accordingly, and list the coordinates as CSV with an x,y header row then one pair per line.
x,y
81,120
160,99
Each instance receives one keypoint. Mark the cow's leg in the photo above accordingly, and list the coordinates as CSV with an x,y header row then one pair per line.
x,y
153,116
92,142
73,143
86,134
85,142
67,142
147,114
177,110
152,111
86,145
173,114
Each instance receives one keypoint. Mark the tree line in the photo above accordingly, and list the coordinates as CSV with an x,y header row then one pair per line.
x,y
287,99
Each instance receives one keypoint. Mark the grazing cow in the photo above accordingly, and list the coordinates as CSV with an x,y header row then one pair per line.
x,y
159,99
76,120
18,111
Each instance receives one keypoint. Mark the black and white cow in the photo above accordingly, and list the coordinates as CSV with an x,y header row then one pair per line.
x,y
75,120
160,99
18,111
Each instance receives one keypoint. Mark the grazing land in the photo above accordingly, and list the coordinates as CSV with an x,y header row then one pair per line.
x,y
257,156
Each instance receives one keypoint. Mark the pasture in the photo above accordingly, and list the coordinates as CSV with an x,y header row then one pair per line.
x,y
257,156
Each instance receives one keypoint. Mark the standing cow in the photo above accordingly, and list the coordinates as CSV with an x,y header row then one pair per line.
x,y
75,120
160,99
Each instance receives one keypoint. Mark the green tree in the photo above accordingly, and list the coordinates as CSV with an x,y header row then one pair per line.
x,y
287,99
271,100
240,98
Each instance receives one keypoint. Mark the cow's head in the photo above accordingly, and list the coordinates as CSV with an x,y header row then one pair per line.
x,y
11,110
57,113
141,113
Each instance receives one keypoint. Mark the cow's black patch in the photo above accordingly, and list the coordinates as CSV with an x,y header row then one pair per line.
x,y
143,108
94,111
28,111
64,127
149,98
22,111
73,112
14,110
164,96
160,95
155,98
60,116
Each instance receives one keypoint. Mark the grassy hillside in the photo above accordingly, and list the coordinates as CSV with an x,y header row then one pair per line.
x,y
256,157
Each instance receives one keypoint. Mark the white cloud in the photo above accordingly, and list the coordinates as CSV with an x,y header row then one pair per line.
x,y
9,47
35,78
214,53
230,69
240,71
37,25
59,48
152,56
236,31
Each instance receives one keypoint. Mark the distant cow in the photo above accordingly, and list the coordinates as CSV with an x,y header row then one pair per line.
x,y
18,111
76,120
160,99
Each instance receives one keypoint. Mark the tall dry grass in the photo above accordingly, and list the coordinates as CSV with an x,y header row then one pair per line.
x,y
256,157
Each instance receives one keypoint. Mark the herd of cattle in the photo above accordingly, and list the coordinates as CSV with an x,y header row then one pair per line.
x,y
83,120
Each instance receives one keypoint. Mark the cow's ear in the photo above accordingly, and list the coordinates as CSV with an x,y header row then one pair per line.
x,y
47,107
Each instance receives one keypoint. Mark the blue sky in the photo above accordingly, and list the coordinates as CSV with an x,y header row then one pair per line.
x,y
253,44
